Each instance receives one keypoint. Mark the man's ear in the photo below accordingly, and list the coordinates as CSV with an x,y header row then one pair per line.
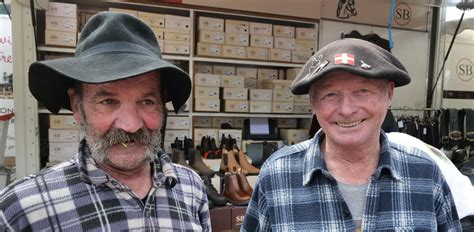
x,y
391,87
74,101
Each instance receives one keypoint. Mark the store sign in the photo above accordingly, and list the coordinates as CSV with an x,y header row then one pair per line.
x,y
6,80
376,12
464,69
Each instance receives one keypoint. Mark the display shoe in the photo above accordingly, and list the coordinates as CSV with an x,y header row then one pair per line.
x,y
228,162
232,190
215,149
244,184
212,194
241,158
196,162
177,157
204,145
187,144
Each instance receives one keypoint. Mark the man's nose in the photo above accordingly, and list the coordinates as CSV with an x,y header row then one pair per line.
x,y
347,105
129,119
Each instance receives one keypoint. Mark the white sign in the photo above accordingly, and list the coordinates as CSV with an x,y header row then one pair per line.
x,y
6,80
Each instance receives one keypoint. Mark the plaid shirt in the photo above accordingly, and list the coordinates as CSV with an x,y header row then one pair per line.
x,y
78,196
295,192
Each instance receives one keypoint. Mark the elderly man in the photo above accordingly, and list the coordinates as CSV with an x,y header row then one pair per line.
x,y
349,177
116,86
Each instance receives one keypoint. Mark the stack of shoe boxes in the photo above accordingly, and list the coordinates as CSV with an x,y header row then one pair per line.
x,y
157,24
211,36
294,136
176,126
206,92
236,39
283,99
261,40
306,44
171,135
63,136
61,24
177,34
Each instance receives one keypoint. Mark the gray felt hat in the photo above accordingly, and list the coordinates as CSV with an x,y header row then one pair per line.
x,y
112,46
350,55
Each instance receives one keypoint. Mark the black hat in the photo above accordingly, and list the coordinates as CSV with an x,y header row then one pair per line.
x,y
112,46
350,55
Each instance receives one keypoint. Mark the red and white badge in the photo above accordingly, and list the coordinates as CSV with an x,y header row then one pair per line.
x,y
344,58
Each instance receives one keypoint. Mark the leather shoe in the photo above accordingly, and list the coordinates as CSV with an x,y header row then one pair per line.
x,y
233,192
212,194
244,184
228,162
196,162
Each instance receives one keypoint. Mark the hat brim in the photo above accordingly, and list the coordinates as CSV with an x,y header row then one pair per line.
x,y
50,80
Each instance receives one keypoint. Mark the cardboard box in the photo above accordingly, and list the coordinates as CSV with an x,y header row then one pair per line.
x,y
176,47
214,37
224,70
208,23
239,122
302,108
211,80
257,53
161,44
152,19
285,43
261,95
294,134
62,10
238,39
63,136
305,45
261,41
260,107
301,98
229,93
260,28
206,92
159,32
234,133
125,11
282,107
276,84
202,122
171,135
240,106
60,38
232,81
178,22
306,33
221,218
201,132
59,152
246,72
173,122
280,55
238,215
62,122
250,83
267,74
218,121
206,49
203,68
169,35
231,51
282,95
207,105
300,57
282,74
287,122
283,31
170,107
167,146
61,23
291,73
236,26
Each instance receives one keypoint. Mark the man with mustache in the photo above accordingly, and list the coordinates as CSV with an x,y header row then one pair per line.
x,y
116,86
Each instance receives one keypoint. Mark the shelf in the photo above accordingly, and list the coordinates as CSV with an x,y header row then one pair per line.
x,y
247,62
251,115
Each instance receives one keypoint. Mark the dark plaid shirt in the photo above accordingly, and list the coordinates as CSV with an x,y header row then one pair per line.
x,y
78,196
295,192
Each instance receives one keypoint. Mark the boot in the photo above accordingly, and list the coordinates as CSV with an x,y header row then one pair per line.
x,y
243,162
177,157
228,162
244,184
187,144
195,161
212,194
204,145
233,192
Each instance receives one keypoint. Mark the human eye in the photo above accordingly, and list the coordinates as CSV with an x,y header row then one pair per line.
x,y
148,102
108,102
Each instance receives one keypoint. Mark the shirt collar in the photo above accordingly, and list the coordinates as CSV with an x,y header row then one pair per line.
x,y
314,162
91,173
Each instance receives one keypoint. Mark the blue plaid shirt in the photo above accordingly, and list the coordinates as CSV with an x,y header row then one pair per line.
x,y
78,196
295,192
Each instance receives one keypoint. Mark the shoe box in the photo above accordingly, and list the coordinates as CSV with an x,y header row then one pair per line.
x,y
228,217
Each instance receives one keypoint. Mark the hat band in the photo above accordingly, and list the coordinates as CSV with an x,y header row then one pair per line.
x,y
118,47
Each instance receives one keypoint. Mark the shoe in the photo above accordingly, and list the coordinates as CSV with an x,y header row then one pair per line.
x,y
232,190
244,163
177,157
212,194
228,162
244,184
187,144
196,162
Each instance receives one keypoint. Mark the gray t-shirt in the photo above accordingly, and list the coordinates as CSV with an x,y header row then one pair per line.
x,y
354,196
